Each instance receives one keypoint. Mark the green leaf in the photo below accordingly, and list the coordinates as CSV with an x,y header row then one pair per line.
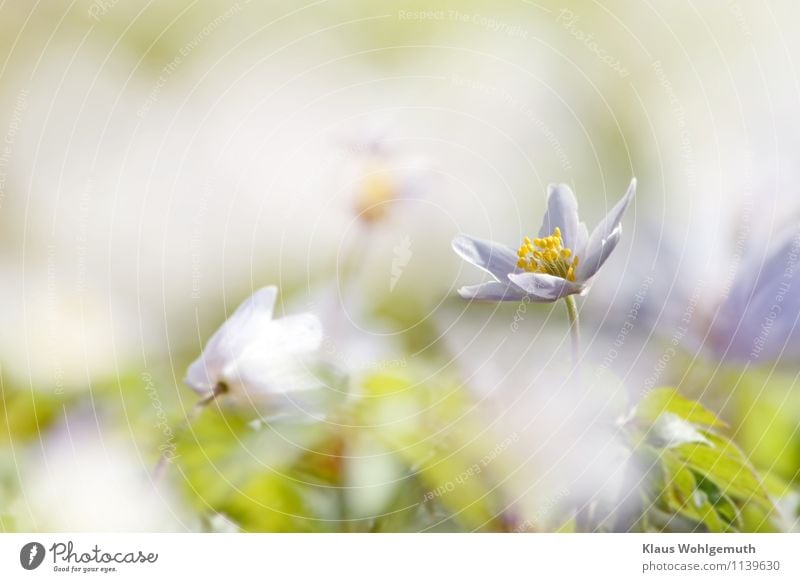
x,y
756,519
727,471
683,496
25,414
769,426
725,507
706,478
244,471
668,400
435,433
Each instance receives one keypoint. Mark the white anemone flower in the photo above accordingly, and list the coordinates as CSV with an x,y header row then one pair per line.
x,y
561,262
257,360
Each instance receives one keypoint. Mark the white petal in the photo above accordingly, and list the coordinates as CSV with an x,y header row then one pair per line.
x,y
544,288
760,318
202,376
673,431
605,237
248,321
260,303
255,376
278,387
491,291
267,361
597,252
562,212
250,330
581,240
297,334
496,259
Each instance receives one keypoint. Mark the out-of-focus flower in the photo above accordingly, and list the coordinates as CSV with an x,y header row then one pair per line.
x,y
380,174
751,315
760,318
81,478
356,340
60,336
566,448
561,262
255,359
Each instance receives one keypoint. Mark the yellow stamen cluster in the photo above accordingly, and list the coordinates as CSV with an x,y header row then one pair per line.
x,y
547,255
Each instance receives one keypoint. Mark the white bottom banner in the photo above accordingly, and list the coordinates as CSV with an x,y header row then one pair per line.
x,y
356,557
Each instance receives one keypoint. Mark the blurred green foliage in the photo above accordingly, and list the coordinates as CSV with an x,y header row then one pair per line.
x,y
693,472
434,464
410,452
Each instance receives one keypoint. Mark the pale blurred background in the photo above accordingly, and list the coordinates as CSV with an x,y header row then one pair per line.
x,y
160,161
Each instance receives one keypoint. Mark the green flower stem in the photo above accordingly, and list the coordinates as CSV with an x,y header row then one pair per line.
x,y
582,511
199,406
572,312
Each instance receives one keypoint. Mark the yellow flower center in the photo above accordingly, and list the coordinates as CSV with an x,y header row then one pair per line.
x,y
547,255
375,191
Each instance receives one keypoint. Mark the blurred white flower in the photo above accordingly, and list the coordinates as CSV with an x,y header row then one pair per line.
x,y
747,308
379,173
82,479
356,341
257,360
758,320
56,336
568,449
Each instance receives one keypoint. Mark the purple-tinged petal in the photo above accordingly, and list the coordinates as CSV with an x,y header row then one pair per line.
x,y
605,237
202,375
759,273
581,240
562,212
491,291
496,259
544,288
596,255
760,319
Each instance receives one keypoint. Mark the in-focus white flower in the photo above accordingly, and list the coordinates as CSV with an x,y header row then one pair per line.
x,y
561,262
257,360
